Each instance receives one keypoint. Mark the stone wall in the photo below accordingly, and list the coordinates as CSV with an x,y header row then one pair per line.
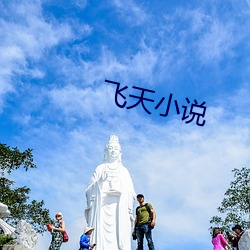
x,y
13,247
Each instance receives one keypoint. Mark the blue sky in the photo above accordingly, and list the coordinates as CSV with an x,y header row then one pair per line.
x,y
54,59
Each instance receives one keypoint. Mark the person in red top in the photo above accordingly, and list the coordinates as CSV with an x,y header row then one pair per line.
x,y
218,240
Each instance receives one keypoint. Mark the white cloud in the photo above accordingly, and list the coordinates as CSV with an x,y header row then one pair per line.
x,y
80,3
32,33
131,12
143,64
198,20
217,42
138,66
106,65
26,35
201,34
84,102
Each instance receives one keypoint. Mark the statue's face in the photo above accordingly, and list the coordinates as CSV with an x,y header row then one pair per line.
x,y
114,150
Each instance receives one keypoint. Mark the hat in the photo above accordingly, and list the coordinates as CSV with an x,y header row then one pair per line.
x,y
59,213
237,227
140,195
87,229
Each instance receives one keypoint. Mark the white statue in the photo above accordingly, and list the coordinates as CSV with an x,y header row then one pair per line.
x,y
4,212
25,235
110,197
244,242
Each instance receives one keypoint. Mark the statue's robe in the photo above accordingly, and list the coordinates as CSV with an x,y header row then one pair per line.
x,y
244,242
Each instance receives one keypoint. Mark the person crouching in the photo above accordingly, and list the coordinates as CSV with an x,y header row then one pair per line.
x,y
85,239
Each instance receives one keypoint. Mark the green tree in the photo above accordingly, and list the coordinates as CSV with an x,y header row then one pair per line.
x,y
235,207
17,199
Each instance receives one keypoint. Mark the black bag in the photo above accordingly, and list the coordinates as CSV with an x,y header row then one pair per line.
x,y
134,236
150,215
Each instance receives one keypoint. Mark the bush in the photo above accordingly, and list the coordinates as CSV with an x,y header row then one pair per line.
x,y
6,240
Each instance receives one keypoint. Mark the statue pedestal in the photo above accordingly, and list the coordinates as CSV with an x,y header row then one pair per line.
x,y
13,247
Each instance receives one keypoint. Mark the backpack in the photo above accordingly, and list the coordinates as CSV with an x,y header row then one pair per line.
x,y
149,212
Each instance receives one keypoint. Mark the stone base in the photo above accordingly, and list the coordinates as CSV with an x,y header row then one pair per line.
x,y
13,247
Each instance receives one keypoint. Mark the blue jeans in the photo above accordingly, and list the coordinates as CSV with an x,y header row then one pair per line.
x,y
142,230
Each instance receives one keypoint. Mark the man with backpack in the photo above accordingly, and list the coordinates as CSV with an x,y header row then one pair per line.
x,y
144,223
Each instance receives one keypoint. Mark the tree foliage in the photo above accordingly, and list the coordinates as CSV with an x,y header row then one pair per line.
x,y
17,199
13,158
235,206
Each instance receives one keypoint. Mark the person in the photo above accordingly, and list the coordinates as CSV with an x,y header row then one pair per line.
x,y
142,226
56,231
218,240
110,198
239,231
85,239
231,240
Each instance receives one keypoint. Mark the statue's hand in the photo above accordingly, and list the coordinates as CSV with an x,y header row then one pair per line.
x,y
132,217
90,202
104,176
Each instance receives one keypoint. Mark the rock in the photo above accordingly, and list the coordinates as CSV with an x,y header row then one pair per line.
x,y
13,247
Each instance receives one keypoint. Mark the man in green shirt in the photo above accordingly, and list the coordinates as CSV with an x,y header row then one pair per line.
x,y
144,223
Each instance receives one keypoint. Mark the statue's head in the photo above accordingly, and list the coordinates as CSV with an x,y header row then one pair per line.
x,y
113,150
4,211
